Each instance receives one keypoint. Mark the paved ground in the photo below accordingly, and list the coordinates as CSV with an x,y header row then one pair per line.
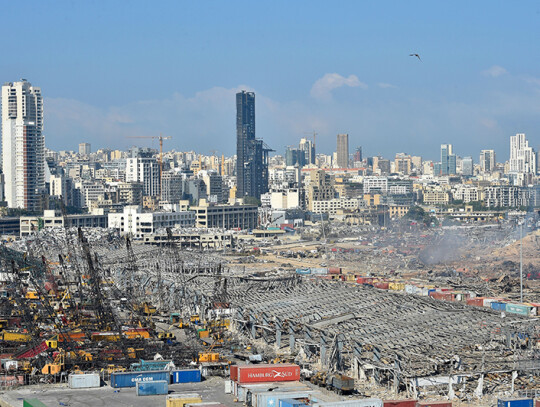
x,y
53,396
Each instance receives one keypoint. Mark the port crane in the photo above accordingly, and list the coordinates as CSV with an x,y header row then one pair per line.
x,y
160,138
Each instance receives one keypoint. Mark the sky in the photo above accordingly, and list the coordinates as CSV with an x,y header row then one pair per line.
x,y
110,70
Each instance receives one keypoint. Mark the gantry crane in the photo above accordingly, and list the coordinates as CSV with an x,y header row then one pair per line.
x,y
160,138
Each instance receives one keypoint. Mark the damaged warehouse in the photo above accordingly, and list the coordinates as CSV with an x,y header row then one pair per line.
x,y
403,342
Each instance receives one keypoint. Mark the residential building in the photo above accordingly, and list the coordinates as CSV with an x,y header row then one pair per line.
x,y
23,145
522,157
467,167
506,196
333,205
84,149
467,193
130,193
171,187
320,188
251,153
487,161
146,171
358,154
342,151
436,197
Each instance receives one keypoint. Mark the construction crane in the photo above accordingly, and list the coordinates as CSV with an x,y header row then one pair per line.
x,y
160,138
312,133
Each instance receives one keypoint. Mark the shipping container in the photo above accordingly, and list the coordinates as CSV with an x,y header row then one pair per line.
x,y
303,271
33,403
334,270
351,403
537,403
205,404
515,403
498,306
292,403
319,271
383,285
129,379
434,404
251,392
271,398
520,309
84,381
267,373
233,371
158,387
476,302
186,376
400,403
180,400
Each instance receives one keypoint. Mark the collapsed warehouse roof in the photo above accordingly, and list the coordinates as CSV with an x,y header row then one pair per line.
x,y
392,336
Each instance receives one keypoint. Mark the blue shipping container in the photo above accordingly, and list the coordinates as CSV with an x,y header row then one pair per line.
x,y
130,379
291,403
498,306
515,403
152,388
186,376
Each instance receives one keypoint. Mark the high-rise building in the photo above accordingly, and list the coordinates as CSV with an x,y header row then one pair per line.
x,y
295,156
251,153
146,171
343,150
448,160
487,160
84,149
467,167
522,157
23,145
308,148
358,154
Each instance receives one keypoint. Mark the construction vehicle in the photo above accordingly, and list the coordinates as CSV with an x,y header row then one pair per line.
x,y
145,308
195,319
56,366
340,383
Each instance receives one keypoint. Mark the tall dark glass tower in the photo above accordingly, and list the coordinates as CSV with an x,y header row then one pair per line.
x,y
251,154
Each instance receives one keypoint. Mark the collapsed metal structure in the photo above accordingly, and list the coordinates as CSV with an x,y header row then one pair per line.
x,y
394,339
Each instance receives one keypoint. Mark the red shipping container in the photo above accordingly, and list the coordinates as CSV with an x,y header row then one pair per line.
x,y
399,403
434,404
477,301
382,285
268,373
537,403
360,280
234,372
334,270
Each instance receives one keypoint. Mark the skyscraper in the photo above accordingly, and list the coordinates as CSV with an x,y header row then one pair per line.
x,y
358,154
309,149
522,157
448,160
487,160
251,153
23,145
343,150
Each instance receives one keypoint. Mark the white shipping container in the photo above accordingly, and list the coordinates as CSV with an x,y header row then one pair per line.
x,y
271,398
84,381
228,387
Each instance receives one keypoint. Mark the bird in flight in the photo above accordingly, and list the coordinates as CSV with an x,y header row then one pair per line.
x,y
417,56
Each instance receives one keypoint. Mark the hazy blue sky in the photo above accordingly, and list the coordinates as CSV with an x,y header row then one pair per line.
x,y
110,69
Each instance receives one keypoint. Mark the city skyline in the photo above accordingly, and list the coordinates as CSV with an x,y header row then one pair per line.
x,y
352,75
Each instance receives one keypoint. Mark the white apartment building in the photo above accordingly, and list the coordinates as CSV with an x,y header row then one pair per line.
x,y
522,157
375,184
23,145
146,171
137,224
467,193
331,206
